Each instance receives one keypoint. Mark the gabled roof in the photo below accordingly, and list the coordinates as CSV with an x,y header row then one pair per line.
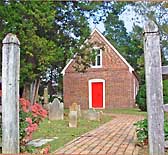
x,y
131,69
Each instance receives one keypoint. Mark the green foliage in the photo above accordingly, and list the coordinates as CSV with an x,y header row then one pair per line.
x,y
22,123
141,98
50,32
60,129
147,10
142,130
165,91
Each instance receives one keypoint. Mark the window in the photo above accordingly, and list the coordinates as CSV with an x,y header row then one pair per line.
x,y
98,60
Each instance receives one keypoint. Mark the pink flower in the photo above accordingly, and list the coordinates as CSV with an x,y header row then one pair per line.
x,y
38,110
29,120
25,104
46,150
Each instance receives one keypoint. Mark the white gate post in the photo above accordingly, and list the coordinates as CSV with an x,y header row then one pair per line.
x,y
10,94
154,89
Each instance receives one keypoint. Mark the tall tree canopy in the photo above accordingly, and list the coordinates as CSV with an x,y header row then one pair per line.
x,y
49,32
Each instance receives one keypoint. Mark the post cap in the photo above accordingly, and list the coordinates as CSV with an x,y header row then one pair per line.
x,y
150,26
11,38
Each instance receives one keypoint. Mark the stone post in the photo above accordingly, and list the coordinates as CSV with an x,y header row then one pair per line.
x,y
154,89
45,95
10,94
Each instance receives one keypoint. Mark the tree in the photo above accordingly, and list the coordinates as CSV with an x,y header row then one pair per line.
x,y
48,31
147,10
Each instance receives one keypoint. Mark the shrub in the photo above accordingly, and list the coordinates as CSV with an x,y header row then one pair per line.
x,y
29,118
142,130
141,98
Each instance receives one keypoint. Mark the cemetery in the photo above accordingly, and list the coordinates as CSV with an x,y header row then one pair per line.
x,y
68,87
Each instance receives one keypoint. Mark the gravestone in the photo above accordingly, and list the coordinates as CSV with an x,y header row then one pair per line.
x,y
79,111
56,110
92,115
73,119
45,95
73,107
41,141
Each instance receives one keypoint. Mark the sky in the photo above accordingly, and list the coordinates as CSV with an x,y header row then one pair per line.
x,y
126,16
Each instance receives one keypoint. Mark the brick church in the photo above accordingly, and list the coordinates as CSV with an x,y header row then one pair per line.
x,y
109,83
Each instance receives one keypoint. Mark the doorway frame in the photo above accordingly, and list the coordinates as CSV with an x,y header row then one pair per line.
x,y
90,92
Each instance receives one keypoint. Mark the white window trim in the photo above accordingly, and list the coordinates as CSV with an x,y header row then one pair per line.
x,y
98,66
90,92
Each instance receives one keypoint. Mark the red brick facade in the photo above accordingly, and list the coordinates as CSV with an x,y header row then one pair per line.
x,y
120,82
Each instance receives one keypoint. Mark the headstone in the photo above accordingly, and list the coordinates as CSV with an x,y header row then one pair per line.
x,y
56,110
79,111
100,115
92,115
45,95
73,107
41,141
46,106
73,119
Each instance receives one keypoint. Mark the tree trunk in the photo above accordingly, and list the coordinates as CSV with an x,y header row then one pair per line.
x,y
30,91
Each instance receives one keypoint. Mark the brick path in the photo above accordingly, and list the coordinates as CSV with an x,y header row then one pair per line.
x,y
116,137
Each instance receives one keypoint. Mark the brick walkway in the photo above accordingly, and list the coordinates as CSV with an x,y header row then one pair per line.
x,y
116,137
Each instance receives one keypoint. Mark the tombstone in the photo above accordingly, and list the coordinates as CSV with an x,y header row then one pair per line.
x,y
73,107
92,115
56,110
79,111
45,95
46,106
73,119
100,115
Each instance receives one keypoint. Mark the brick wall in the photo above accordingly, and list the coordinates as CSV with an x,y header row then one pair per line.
x,y
118,88
119,82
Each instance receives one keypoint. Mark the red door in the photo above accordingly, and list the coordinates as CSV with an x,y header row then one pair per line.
x,y
97,95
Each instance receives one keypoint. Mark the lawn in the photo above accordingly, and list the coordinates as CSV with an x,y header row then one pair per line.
x,y
131,111
60,129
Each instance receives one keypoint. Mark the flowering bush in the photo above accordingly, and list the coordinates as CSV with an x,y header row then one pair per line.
x,y
30,116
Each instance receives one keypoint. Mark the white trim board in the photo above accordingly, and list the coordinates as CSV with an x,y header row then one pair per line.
x,y
90,92
122,58
131,69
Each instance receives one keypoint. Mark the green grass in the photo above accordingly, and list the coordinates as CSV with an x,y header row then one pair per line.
x,y
130,111
60,129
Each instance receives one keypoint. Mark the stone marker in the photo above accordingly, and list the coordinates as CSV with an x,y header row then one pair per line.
x,y
56,110
45,95
73,119
79,111
93,115
73,107
41,141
